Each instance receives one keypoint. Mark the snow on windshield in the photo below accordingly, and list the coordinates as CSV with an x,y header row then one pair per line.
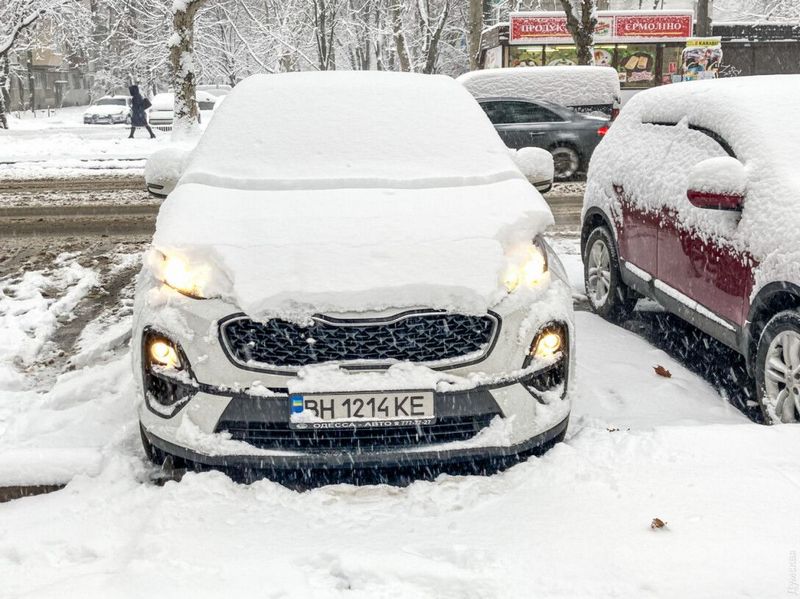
x,y
111,102
564,85
349,129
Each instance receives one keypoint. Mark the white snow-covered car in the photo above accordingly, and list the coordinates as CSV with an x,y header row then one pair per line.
x,y
350,274
162,111
109,110
691,200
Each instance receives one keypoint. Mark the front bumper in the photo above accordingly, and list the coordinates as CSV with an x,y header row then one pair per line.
x,y
218,430
104,120
515,406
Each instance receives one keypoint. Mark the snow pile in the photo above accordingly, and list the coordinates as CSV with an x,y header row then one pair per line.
x,y
296,253
60,414
30,314
732,109
565,85
349,129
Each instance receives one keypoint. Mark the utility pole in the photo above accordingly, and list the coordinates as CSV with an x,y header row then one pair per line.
x,y
474,28
703,25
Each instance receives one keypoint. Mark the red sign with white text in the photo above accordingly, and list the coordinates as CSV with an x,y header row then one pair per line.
x,y
643,26
660,26
539,27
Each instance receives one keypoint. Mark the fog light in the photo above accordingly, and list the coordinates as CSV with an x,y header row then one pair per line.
x,y
163,353
547,344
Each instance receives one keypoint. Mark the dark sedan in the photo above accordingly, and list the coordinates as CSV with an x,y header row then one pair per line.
x,y
569,136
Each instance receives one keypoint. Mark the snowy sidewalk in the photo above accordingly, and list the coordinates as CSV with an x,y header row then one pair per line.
x,y
61,146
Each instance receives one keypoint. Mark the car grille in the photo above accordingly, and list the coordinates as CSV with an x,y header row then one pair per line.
x,y
413,337
278,435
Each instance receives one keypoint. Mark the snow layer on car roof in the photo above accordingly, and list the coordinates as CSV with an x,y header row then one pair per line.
x,y
564,85
349,129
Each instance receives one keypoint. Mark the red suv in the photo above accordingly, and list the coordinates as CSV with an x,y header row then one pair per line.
x,y
693,200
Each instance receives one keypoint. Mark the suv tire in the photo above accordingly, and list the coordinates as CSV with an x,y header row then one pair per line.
x,y
608,296
777,368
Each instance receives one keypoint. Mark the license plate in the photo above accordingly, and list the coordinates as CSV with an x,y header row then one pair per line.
x,y
345,410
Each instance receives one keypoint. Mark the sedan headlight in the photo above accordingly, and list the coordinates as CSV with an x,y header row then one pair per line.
x,y
183,276
526,266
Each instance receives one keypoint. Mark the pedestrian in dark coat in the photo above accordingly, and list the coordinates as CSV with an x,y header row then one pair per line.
x,y
138,114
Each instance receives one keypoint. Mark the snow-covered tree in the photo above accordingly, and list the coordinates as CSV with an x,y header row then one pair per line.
x,y
581,21
182,61
19,18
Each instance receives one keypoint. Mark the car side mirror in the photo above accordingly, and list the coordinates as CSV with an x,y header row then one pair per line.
x,y
164,168
718,184
537,166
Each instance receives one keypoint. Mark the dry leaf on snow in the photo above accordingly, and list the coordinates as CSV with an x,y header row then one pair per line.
x,y
657,523
661,371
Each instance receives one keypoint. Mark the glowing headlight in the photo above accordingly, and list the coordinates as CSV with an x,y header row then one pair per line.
x,y
527,267
547,344
163,353
183,277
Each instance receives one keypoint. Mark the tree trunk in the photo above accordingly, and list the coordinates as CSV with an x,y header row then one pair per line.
x,y
581,21
474,29
433,45
31,84
5,96
399,38
181,58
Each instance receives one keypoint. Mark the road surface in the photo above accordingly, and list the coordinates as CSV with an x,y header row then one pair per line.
x,y
121,207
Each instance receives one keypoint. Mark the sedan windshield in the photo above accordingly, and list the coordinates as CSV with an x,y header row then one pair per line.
x,y
111,102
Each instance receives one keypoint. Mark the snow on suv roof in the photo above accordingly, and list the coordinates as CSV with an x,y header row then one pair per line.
x,y
563,85
758,116
349,129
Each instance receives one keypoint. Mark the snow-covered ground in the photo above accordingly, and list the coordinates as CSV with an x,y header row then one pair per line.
x,y
573,523
59,145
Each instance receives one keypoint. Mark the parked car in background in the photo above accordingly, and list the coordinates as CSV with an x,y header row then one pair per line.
x,y
585,89
563,109
109,110
162,111
569,136
691,200
371,304
218,90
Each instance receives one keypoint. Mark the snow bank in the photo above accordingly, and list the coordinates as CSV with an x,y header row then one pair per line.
x,y
349,129
296,253
565,85
733,109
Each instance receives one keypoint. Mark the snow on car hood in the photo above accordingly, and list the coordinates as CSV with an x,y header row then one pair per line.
x,y
293,253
